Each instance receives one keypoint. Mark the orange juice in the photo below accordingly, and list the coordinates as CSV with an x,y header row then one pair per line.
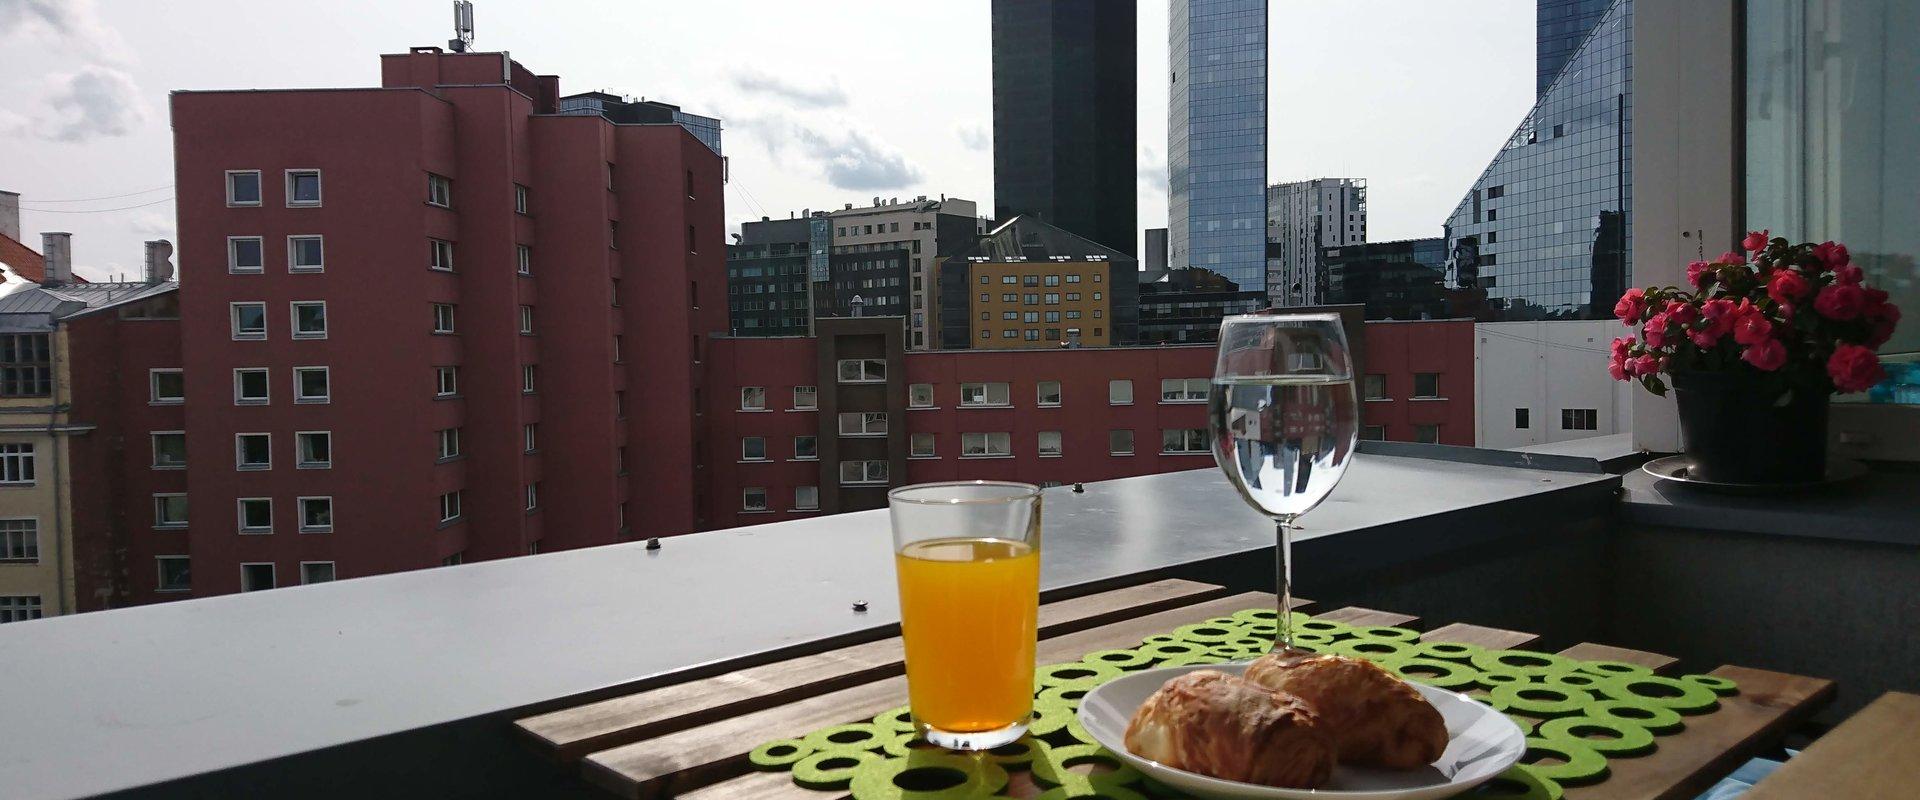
x,y
968,610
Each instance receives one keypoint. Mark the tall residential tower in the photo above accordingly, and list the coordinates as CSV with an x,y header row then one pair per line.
x,y
1303,217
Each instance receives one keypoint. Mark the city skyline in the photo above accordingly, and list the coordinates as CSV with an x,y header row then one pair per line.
x,y
807,126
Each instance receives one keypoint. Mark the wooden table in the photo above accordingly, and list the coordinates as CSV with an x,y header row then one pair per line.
x,y
691,739
1874,754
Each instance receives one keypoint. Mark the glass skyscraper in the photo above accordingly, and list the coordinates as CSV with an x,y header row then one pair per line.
x,y
1559,28
1217,141
1547,230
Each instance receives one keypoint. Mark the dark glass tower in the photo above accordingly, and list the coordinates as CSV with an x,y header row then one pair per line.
x,y
1064,116
1560,27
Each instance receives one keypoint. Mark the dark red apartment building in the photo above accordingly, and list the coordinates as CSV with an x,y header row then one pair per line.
x,y
436,320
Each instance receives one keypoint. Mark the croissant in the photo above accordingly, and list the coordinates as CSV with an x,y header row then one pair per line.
x,y
1375,718
1220,725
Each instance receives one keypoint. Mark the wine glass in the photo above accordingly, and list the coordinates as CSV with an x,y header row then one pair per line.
x,y
1283,422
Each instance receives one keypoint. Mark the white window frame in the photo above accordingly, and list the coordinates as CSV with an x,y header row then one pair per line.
x,y
153,449
439,190
813,395
446,444
913,395
233,255
986,391
266,378
299,456
333,572
293,263
439,254
293,311
1113,451
747,504
863,424
300,396
529,379
1418,429
1041,444
1188,437
816,448
445,376
233,318
18,459
451,502
521,202
239,450
160,574
1040,394
29,538
1366,387
1114,385
747,456
526,323
240,516
523,255
863,370
452,321
259,188
300,510
532,492
745,392
530,436
868,469
160,521
272,575
1184,391
1435,395
153,386
319,186
800,504
991,444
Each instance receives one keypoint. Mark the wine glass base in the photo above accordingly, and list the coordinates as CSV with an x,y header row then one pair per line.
x,y
973,740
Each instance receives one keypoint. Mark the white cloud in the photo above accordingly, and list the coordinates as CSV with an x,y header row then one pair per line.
x,y
67,24
1152,168
976,137
847,157
97,101
824,95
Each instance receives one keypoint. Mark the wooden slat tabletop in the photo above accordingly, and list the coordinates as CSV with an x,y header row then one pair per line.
x,y
1874,755
691,740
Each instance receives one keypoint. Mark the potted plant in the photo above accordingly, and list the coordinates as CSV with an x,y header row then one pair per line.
x,y
1753,347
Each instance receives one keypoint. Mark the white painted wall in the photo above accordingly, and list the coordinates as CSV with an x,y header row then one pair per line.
x,y
1545,367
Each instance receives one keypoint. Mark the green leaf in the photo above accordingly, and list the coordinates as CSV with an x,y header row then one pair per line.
x,y
1654,385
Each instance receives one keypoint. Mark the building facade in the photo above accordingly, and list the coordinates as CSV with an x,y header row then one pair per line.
x,y
767,280
1536,383
1030,284
1393,280
1217,140
1304,218
1560,27
1064,115
643,112
926,230
1547,229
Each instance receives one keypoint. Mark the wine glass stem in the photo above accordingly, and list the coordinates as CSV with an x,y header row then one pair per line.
x,y
1283,572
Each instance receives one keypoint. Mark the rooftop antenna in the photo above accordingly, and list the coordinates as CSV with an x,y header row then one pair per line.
x,y
462,26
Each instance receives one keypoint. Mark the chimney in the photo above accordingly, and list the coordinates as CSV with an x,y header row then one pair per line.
x,y
10,214
159,267
57,250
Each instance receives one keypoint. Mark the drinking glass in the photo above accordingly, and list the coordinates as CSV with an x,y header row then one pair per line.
x,y
1283,422
968,557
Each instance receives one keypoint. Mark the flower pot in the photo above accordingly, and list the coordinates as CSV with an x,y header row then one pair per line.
x,y
1740,428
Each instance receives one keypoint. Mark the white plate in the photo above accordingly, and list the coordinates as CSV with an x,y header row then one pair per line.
x,y
1482,743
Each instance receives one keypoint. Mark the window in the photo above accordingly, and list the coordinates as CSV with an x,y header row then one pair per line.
x,y
753,448
805,398
169,451
1426,384
857,472
1521,419
753,398
1011,316
256,514
1053,334
983,394
175,574
984,297
439,191
920,395
19,607
303,187
1074,278
985,445
1120,393
443,318
249,320
1496,192
448,446
531,433
311,385
316,572
526,326
1096,295
454,560
1374,387
1029,280
862,370
166,387
1030,316
620,404
446,381
305,254
243,187
1426,434
1009,297
613,234
247,254
519,199
1375,433
256,577
1053,298
314,449
1049,443
250,386
170,510
921,445
253,451
806,448
533,496
1179,441
1120,443
450,506
523,257
1579,419
16,463
1049,393
753,499
863,423
316,514
527,379
1030,299
1053,280
310,319
440,255
1053,316
19,540
619,343
806,498
1183,390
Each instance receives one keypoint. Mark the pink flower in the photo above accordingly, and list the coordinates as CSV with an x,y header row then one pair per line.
x,y
1885,317
1720,315
1787,286
1699,273
1752,328
1854,368
1622,346
1730,257
1840,301
1705,338
1617,367
1833,254
1766,355
1631,306
1644,364
1656,330
1756,241
1849,274
1682,313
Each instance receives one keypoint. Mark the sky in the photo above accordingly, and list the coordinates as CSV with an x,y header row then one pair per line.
x,y
824,103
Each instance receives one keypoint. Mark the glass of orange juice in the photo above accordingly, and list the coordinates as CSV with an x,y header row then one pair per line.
x,y
968,557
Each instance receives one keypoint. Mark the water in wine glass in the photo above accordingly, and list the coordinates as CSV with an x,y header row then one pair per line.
x,y
1283,440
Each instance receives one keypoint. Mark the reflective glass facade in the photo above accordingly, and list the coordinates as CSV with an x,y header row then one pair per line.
x,y
1559,28
1217,140
1547,230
